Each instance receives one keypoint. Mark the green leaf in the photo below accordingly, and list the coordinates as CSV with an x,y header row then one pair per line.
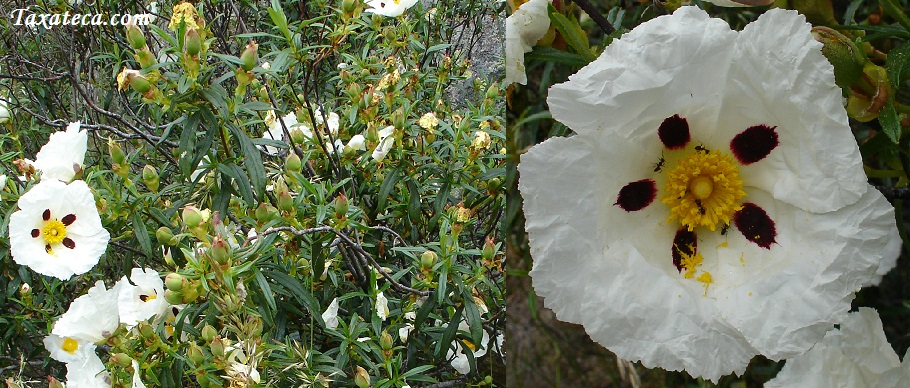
x,y
890,122
298,292
386,188
448,335
472,315
251,160
243,183
897,63
414,202
549,54
142,234
572,32
428,305
188,144
280,20
266,289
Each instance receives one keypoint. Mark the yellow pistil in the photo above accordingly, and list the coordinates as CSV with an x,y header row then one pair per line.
x,y
54,232
70,345
703,189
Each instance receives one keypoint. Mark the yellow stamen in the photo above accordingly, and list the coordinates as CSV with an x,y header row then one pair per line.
x,y
705,278
70,345
703,189
54,232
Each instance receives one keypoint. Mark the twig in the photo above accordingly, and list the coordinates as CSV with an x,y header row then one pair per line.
x,y
447,384
596,16
894,192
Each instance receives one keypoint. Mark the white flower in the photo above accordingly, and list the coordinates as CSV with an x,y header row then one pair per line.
x,y
330,316
83,367
382,306
276,132
390,8
143,300
92,317
266,65
137,380
68,349
336,148
524,28
740,3
4,111
357,142
63,154
89,373
856,355
404,332
2,182
732,200
57,231
500,342
334,121
386,142
242,367
460,361
342,66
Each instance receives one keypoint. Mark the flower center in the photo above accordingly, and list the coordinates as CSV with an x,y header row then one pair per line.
x,y
704,189
54,232
70,345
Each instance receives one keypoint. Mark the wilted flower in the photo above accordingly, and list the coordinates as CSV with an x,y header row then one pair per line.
x,y
57,231
92,317
390,8
856,355
524,28
241,366
143,300
330,316
481,141
382,306
184,12
765,224
386,142
460,353
63,154
428,121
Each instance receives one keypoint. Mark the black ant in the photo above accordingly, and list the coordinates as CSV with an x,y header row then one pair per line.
x,y
723,230
701,148
701,209
660,164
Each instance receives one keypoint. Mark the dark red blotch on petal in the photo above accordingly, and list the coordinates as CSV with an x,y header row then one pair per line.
x,y
36,233
674,132
684,244
69,243
636,195
69,219
755,225
754,144
46,215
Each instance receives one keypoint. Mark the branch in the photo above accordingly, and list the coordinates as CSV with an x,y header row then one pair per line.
x,y
595,15
894,192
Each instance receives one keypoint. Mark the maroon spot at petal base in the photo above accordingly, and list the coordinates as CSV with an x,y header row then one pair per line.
x,y
46,215
684,244
35,233
69,219
636,195
754,144
674,132
69,243
755,225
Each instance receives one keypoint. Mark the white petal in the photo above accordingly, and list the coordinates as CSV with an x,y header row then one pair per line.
x,y
389,8
358,142
330,316
89,373
779,77
673,64
524,28
857,355
137,380
148,286
63,149
86,231
92,317
54,344
382,306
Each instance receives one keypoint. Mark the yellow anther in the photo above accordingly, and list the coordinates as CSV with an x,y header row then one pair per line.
x,y
54,232
70,345
703,189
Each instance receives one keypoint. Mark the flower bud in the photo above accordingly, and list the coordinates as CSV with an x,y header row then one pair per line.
x,y
292,163
190,294
847,59
192,42
165,236
209,333
54,383
116,152
348,6
354,91
145,330
870,94
134,36
428,259
173,297
217,346
303,266
493,92
398,118
385,341
297,136
192,217
145,58
264,212
195,354
372,135
285,201
150,177
250,56
341,205
121,359
362,378
489,249
220,251
174,281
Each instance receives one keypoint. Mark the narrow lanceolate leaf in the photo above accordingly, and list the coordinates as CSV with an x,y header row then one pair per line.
x,y
571,31
251,160
142,234
448,335
890,122
897,63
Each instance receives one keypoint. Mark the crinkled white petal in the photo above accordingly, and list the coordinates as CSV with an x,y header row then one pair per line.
x,y
390,8
137,379
524,28
779,77
404,332
461,362
83,351
91,317
358,142
89,373
386,142
63,150
856,355
898,377
148,286
4,111
382,306
330,316
334,121
86,231
276,132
